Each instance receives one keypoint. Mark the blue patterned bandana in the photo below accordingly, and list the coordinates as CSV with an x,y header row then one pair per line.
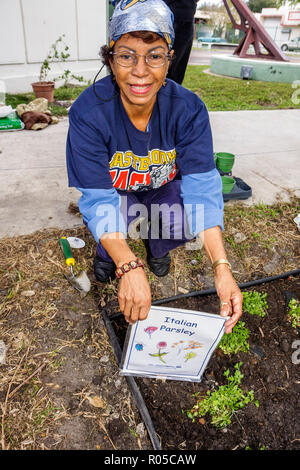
x,y
142,15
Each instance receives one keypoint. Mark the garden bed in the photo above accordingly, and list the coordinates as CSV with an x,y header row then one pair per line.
x,y
269,368
60,386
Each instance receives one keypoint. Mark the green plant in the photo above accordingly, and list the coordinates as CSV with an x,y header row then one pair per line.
x,y
47,412
255,303
61,54
236,341
67,75
240,248
10,294
222,403
263,447
52,55
256,235
294,312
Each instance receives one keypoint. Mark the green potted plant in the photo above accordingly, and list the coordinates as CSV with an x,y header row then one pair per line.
x,y
45,88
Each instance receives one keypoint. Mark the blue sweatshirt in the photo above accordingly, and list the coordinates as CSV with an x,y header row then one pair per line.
x,y
107,154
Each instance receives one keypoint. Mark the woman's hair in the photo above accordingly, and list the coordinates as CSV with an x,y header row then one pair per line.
x,y
147,36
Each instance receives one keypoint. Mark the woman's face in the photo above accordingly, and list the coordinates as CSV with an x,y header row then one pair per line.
x,y
139,83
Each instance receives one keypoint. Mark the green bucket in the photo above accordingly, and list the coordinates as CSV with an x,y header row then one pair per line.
x,y
225,161
227,184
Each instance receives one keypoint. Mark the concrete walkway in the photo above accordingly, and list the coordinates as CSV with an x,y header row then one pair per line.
x,y
34,191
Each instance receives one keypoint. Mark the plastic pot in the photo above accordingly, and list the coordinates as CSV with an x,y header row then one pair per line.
x,y
44,90
227,184
225,161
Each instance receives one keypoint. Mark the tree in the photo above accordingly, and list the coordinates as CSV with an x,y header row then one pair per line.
x,y
289,3
257,5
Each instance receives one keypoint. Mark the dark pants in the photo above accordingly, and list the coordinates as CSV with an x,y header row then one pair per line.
x,y
184,35
173,228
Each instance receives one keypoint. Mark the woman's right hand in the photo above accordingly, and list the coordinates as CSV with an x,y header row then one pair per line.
x,y
134,295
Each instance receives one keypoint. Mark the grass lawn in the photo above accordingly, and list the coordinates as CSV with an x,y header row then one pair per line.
x,y
62,93
228,94
218,93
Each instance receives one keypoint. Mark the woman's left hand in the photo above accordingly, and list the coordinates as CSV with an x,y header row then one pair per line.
x,y
231,298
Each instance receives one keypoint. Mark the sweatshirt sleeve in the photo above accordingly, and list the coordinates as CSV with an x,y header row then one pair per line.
x,y
101,211
201,184
86,152
194,146
203,200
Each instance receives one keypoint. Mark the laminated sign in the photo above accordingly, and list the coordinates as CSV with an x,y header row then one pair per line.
x,y
172,343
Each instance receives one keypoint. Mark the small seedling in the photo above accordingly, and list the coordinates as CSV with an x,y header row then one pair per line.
x,y
222,403
255,303
294,312
236,341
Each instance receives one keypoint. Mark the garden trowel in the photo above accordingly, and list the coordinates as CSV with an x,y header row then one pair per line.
x,y
81,281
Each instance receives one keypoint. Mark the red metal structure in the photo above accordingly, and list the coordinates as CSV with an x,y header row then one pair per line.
x,y
255,34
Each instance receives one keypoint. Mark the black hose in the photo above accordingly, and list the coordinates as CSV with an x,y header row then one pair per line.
x,y
213,290
132,385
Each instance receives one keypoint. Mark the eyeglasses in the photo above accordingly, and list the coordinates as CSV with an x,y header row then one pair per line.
x,y
129,59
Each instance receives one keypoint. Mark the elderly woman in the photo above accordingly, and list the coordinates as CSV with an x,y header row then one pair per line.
x,y
139,143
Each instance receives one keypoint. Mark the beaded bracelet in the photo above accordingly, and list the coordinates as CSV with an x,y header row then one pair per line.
x,y
121,270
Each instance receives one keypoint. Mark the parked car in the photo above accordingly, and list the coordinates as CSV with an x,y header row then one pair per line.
x,y
293,45
210,39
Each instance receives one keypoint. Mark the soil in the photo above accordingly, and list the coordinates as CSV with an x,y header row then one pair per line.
x,y
60,387
268,369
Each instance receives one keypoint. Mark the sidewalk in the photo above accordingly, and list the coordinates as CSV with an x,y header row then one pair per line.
x,y
267,149
33,178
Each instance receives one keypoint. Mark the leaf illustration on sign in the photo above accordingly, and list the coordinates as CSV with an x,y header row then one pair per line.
x,y
160,345
190,355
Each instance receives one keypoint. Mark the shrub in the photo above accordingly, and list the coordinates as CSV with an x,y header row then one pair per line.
x,y
222,403
255,303
294,312
236,341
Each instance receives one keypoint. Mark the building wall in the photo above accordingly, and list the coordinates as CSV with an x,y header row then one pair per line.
x,y
282,24
30,27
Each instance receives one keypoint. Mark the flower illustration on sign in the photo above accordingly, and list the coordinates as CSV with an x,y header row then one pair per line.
x,y
150,330
160,345
139,347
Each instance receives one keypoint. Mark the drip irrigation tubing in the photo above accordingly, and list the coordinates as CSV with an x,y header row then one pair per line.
x,y
132,385
243,285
